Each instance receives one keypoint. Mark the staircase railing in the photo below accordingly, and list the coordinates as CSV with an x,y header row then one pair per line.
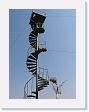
x,y
27,89
43,73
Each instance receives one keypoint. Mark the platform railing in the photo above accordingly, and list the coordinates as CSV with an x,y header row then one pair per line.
x,y
28,87
43,73
42,44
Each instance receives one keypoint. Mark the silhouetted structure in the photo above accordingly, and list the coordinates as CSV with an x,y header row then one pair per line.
x,y
39,74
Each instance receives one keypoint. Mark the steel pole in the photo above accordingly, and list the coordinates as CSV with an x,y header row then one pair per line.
x,y
37,72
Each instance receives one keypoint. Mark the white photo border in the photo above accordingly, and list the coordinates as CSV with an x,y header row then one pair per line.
x,y
79,102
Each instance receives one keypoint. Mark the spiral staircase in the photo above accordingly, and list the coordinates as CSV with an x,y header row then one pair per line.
x,y
40,76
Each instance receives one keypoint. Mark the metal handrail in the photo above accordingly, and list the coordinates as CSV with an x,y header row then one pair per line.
x,y
30,50
27,84
43,73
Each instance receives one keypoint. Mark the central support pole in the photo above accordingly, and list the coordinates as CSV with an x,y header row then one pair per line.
x,y
37,72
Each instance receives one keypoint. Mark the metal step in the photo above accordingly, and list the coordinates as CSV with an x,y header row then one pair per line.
x,y
33,44
31,57
29,60
32,37
32,40
34,73
31,64
31,67
33,70
40,88
43,82
31,96
33,33
41,79
34,54
42,85
40,30
34,92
